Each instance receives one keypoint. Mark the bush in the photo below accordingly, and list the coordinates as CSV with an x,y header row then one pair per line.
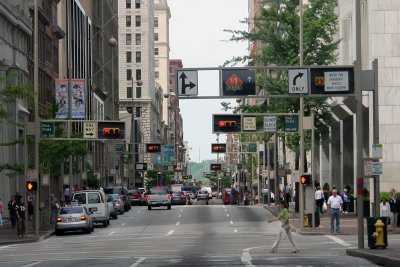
x,y
386,195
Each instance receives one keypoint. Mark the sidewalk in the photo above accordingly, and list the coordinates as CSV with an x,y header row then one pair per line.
x,y
8,234
349,226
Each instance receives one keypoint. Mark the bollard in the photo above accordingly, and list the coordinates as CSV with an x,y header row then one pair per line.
x,y
379,235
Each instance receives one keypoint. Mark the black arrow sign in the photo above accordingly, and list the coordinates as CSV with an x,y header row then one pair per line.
x,y
296,77
184,84
91,134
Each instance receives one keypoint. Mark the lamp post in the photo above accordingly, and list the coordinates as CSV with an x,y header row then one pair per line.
x,y
113,43
133,136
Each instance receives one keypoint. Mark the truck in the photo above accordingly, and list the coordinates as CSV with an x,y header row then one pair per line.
x,y
158,196
176,187
208,189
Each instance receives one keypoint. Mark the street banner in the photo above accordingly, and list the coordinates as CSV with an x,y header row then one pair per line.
x,y
78,98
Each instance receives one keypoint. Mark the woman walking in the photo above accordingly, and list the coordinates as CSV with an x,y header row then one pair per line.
x,y
285,229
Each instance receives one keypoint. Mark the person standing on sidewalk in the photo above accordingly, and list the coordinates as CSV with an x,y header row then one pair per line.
x,y
346,201
284,218
335,204
394,208
385,210
30,206
319,199
1,212
20,213
11,210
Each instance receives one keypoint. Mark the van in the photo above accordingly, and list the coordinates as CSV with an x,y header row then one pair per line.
x,y
208,189
95,202
122,192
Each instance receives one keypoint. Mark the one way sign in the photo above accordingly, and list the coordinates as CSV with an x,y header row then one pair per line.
x,y
90,130
298,81
187,82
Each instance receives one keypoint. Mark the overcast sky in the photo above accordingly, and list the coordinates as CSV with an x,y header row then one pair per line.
x,y
198,39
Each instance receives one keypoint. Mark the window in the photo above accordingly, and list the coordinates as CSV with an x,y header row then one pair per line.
x,y
138,92
156,36
156,74
128,57
156,63
137,21
138,75
156,51
138,39
128,39
80,197
156,22
138,111
137,3
93,198
138,56
128,3
128,21
128,92
128,75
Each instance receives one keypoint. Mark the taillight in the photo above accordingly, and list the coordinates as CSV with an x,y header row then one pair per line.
x,y
83,218
58,219
169,196
183,196
148,197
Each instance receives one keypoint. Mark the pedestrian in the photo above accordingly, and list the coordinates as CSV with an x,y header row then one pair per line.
x,y
55,206
288,190
285,228
319,199
346,201
385,211
77,189
11,210
1,212
67,195
18,197
20,213
335,204
30,205
394,208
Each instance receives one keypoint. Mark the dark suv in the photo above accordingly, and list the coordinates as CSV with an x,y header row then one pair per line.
x,y
123,192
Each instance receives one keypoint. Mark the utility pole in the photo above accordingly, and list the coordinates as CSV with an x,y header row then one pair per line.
x,y
37,122
301,133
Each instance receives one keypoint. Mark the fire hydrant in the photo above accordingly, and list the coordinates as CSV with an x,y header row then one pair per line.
x,y
379,234
305,220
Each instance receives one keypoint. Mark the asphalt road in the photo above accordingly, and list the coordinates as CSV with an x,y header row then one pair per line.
x,y
191,235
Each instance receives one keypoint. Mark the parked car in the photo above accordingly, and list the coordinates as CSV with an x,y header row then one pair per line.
x,y
73,218
119,204
123,192
112,207
95,202
136,197
178,198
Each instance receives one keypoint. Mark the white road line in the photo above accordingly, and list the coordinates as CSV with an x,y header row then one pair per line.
x,y
338,240
235,230
246,258
111,233
178,223
130,217
227,215
181,210
225,210
170,232
138,262
31,264
231,222
123,224
180,215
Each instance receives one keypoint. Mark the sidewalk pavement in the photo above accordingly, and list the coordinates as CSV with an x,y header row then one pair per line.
x,y
349,226
8,234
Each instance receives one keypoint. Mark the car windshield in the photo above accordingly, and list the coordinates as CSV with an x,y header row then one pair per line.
x,y
203,192
71,210
158,191
133,191
110,198
115,196
177,194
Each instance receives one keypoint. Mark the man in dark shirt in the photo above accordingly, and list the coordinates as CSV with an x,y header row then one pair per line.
x,y
20,214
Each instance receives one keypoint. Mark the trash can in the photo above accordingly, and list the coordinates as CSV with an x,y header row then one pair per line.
x,y
317,220
371,229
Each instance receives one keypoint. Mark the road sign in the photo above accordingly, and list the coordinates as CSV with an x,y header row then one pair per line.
x,y
187,82
119,148
377,151
140,166
270,124
298,81
90,130
32,175
238,82
47,130
252,147
291,123
249,123
338,80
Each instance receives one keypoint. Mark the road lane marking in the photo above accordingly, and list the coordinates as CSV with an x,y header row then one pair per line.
x,y
111,233
31,264
123,224
181,210
225,210
338,240
131,217
231,222
235,230
227,215
138,262
246,258
180,215
178,223
170,233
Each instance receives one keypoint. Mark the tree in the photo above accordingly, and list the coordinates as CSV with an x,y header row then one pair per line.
x,y
11,91
277,30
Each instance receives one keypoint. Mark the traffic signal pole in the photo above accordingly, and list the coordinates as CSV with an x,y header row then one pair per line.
x,y
301,115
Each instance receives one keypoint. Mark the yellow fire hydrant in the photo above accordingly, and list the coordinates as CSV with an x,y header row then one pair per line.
x,y
305,220
379,234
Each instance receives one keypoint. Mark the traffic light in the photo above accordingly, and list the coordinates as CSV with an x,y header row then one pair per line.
x,y
215,167
218,148
31,185
153,148
226,123
305,179
111,131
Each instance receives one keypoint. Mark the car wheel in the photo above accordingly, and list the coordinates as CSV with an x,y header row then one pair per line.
x,y
149,207
89,230
108,222
115,216
169,207
207,202
105,223
92,229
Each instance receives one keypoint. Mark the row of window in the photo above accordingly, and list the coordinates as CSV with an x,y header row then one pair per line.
x,y
138,21
129,74
129,4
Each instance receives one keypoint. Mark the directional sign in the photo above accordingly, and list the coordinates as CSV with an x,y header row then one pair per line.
x,y
47,130
298,81
238,82
90,130
187,82
291,123
270,124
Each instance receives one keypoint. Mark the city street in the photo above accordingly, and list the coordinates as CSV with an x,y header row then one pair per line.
x,y
191,235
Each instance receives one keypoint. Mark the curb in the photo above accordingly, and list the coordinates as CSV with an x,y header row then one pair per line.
x,y
29,240
382,260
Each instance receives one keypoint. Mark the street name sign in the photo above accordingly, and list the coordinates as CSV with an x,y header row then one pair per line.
x,y
187,82
47,130
298,81
90,130
291,123
270,124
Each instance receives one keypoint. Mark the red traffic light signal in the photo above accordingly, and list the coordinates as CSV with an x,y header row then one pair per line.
x,y
111,131
153,148
218,148
31,185
305,179
227,124
215,167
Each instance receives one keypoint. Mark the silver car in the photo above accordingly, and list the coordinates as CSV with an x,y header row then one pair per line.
x,y
119,203
112,207
73,218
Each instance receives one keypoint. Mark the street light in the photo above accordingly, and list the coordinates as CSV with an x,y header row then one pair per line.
x,y
113,43
133,130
